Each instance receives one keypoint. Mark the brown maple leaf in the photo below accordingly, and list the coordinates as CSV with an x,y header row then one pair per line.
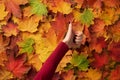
x,y
4,42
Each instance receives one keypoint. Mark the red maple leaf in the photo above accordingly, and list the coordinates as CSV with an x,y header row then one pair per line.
x,y
115,74
88,3
16,64
98,44
115,51
60,25
100,60
13,8
10,29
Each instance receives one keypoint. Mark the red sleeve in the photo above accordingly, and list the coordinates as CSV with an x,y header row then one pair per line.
x,y
50,65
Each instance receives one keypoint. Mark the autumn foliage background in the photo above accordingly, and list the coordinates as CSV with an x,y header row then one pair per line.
x,y
31,29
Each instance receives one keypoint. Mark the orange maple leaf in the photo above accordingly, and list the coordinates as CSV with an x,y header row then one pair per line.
x,y
98,27
114,32
69,75
10,29
112,3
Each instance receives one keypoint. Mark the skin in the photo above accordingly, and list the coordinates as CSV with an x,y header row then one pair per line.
x,y
73,39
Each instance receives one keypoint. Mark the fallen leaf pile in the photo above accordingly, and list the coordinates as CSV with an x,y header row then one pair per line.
x,y
31,29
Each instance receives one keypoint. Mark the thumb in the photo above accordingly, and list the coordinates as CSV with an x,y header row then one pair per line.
x,y
70,31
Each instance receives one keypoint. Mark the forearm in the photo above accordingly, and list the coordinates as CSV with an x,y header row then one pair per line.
x,y
49,67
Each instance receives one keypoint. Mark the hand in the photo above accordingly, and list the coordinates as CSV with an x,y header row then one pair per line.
x,y
73,39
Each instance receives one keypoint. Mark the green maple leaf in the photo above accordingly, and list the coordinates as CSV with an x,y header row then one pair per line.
x,y
26,46
38,7
80,61
87,17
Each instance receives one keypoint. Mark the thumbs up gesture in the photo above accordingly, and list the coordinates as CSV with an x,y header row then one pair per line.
x,y
73,39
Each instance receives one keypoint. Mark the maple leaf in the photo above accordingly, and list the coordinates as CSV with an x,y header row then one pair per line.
x,y
98,27
3,58
26,46
13,8
88,3
98,44
59,25
77,26
10,29
16,65
97,8
5,74
45,46
79,3
34,60
69,75
114,75
65,60
77,15
93,74
29,24
31,74
109,16
64,7
4,42
52,4
100,60
27,11
114,32
112,3
80,61
3,13
115,50
87,17
38,7
21,2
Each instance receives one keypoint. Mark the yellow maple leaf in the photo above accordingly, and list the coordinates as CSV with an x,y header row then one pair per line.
x,y
94,74
52,5
66,59
3,13
109,16
29,24
77,15
35,61
64,7
44,43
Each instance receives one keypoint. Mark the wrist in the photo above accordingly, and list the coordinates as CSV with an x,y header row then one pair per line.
x,y
66,42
